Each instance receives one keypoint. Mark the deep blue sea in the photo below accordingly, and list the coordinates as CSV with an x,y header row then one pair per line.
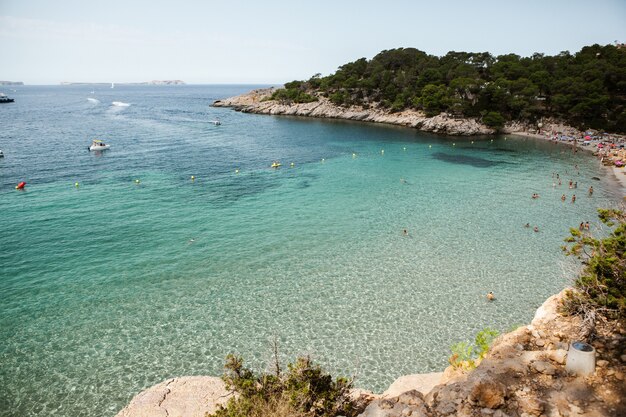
x,y
140,274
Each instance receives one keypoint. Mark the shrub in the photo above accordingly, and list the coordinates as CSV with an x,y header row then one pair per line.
x,y
601,286
305,390
494,120
467,356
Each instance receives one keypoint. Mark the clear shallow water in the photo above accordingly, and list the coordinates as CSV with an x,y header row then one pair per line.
x,y
104,293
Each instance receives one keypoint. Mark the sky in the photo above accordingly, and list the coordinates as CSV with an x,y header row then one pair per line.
x,y
271,41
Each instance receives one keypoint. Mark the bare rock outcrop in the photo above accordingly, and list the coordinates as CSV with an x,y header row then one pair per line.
x,y
257,101
189,396
524,375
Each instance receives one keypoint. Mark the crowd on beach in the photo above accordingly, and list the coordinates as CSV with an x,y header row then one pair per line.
x,y
610,148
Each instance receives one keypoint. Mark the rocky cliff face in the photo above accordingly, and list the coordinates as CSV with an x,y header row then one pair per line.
x,y
524,375
256,102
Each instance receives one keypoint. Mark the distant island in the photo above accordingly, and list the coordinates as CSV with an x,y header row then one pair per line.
x,y
586,90
153,82
11,83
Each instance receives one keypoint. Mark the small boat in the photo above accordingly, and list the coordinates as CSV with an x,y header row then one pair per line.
x,y
93,100
276,164
216,122
1,154
112,85
5,99
120,104
20,186
98,145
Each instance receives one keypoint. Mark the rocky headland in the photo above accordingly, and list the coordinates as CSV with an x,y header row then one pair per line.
x,y
523,375
258,101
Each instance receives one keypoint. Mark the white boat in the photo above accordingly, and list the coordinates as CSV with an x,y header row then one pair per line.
x,y
112,85
98,145
93,100
1,154
120,104
216,122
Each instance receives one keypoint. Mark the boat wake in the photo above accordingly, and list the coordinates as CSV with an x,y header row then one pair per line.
x,y
120,104
93,100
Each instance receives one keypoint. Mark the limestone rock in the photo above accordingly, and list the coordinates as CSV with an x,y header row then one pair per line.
x,y
543,367
558,356
189,396
488,394
548,310
257,101
409,403
530,405
420,382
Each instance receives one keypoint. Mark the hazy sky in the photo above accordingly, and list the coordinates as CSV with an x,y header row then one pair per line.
x,y
271,41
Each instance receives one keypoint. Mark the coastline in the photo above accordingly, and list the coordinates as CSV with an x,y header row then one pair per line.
x,y
257,102
522,373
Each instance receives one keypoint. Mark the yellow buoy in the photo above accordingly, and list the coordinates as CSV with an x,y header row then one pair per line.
x,y
323,160
453,144
236,171
492,140
404,149
354,155
382,151
193,178
472,142
430,146
76,184
292,164
136,181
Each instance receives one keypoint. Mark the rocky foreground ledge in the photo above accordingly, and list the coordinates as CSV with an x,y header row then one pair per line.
x,y
256,101
523,375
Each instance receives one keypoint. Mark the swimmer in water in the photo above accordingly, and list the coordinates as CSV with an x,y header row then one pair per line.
x,y
591,190
536,229
527,225
574,198
491,296
563,197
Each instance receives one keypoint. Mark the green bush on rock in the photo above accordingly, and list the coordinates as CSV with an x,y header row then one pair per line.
x,y
305,390
467,356
601,286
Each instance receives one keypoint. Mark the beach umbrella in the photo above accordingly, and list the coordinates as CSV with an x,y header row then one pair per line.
x,y
587,137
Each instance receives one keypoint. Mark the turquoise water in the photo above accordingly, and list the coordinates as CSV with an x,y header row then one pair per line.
x,y
113,286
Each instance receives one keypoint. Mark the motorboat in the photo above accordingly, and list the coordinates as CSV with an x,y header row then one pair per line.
x,y
276,164
1,154
93,100
5,99
216,122
98,145
120,104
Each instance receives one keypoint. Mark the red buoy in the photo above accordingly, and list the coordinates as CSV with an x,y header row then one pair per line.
x,y
20,186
